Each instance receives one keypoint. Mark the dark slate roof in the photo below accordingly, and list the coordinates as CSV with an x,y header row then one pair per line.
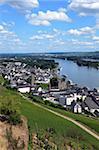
x,y
23,86
96,94
91,103
73,104
84,105
97,101
97,113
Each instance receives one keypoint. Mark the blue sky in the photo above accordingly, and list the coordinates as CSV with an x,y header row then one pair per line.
x,y
49,26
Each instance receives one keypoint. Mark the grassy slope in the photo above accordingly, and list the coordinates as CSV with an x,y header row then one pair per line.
x,y
90,122
1,80
42,119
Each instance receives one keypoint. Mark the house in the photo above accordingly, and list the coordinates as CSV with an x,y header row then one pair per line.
x,y
40,90
24,88
51,99
90,105
69,100
84,106
76,107
62,100
73,97
13,84
97,89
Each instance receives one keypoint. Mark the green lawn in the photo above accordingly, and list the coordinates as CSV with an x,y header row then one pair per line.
x,y
39,118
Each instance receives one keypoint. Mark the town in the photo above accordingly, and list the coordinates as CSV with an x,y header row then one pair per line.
x,y
50,86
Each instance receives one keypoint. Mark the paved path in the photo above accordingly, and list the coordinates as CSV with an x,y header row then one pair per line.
x,y
65,117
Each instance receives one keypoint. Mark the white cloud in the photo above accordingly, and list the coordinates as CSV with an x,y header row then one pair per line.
x,y
62,10
45,18
82,14
59,42
1,28
74,32
85,6
80,42
81,31
96,38
42,37
21,4
84,43
9,39
8,24
97,21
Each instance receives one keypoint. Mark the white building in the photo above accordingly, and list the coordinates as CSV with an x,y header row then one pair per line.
x,y
77,108
69,100
74,97
40,89
24,89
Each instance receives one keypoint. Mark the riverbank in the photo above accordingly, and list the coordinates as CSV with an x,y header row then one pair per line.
x,y
80,61
82,76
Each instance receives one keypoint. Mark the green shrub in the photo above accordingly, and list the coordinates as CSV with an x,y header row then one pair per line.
x,y
10,109
14,118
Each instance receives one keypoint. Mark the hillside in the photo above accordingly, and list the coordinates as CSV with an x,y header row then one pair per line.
x,y
11,135
89,122
40,120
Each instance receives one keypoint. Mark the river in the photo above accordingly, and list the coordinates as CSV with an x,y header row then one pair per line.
x,y
83,76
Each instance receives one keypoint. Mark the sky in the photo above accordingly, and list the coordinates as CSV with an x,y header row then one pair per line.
x,y
37,26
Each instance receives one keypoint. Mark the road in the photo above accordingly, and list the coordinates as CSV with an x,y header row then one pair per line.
x,y
65,117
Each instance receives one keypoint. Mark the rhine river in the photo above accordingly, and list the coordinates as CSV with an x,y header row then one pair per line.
x,y
83,76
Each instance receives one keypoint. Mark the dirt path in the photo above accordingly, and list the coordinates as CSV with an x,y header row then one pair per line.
x,y
65,117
